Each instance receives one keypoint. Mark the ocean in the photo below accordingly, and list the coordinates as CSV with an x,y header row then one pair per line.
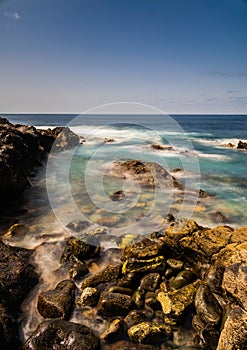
x,y
195,144
75,188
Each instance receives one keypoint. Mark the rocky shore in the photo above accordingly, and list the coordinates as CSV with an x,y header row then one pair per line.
x,y
182,287
24,147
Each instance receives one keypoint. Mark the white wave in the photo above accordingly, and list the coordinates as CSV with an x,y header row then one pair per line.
x,y
219,143
219,157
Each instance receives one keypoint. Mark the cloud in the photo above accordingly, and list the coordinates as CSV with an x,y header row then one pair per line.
x,y
229,74
232,91
12,15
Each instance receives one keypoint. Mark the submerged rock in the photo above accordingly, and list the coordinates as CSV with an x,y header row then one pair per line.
x,y
149,332
135,316
57,303
118,196
62,335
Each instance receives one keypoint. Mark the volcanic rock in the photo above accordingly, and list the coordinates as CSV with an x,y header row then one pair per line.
x,y
57,303
62,335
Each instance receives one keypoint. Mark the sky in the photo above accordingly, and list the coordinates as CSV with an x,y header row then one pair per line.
x,y
67,56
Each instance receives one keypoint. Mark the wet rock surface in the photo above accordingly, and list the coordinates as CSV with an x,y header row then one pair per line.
x,y
114,304
17,278
22,147
62,335
183,288
57,303
145,173
242,145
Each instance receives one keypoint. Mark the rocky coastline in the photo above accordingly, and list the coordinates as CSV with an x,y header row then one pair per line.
x,y
182,287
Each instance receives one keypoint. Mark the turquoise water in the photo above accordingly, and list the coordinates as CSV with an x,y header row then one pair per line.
x,y
198,148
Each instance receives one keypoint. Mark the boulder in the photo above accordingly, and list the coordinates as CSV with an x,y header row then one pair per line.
x,y
174,303
144,266
79,249
147,174
89,297
242,145
57,303
62,335
114,304
194,243
109,274
149,332
114,331
17,278
234,333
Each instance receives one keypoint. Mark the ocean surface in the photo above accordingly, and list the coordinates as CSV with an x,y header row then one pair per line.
x,y
196,144
77,186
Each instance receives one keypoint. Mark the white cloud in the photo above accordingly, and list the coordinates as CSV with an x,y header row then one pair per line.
x,y
12,15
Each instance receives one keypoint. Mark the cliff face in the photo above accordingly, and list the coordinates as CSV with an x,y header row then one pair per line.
x,y
22,147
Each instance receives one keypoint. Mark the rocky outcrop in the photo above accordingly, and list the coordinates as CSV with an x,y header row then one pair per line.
x,y
242,145
147,174
22,147
17,278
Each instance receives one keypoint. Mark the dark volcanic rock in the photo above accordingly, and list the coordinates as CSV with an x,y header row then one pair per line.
x,y
8,330
57,303
114,331
21,147
18,152
17,278
62,335
114,304
17,275
242,145
109,274
79,249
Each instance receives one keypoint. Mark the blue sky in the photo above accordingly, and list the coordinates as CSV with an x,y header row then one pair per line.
x,y
65,56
